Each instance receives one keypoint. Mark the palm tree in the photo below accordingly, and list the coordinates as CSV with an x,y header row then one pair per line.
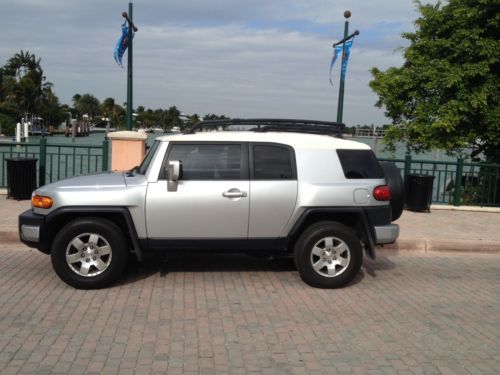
x,y
27,82
107,107
87,104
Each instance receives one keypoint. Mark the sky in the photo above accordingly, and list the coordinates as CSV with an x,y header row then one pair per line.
x,y
260,58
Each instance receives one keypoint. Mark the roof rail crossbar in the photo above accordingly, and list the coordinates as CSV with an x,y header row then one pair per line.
x,y
282,125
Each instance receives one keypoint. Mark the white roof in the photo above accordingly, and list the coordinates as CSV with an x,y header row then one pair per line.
x,y
296,140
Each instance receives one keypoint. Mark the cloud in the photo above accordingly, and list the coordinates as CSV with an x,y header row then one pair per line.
x,y
240,58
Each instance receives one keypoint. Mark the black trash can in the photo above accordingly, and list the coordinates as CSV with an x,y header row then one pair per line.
x,y
418,189
21,177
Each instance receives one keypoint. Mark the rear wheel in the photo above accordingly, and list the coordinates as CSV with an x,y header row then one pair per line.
x,y
89,253
328,255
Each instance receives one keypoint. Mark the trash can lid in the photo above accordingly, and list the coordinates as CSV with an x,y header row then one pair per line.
x,y
420,175
20,159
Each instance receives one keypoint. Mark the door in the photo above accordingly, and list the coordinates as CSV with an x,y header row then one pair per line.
x,y
273,189
212,197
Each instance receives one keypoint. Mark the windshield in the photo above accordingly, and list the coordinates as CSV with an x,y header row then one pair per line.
x,y
145,163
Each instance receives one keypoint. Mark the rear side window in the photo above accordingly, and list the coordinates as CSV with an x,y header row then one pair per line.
x,y
272,163
359,164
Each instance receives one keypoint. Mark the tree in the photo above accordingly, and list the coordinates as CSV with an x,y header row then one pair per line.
x,y
23,82
7,125
86,104
118,116
446,93
213,116
50,109
171,117
107,107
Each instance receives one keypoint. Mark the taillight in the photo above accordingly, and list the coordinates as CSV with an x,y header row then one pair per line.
x,y
382,193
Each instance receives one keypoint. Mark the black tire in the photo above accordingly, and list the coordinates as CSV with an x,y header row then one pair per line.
x,y
396,185
101,246
342,257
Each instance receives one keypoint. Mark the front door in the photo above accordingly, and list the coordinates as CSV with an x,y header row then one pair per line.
x,y
212,197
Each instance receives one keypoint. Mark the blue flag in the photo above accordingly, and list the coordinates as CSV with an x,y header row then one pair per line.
x,y
122,44
336,52
345,60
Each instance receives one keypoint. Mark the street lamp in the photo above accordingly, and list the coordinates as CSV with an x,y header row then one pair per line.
x,y
340,107
131,26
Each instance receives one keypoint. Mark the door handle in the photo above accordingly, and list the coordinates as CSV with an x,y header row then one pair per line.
x,y
234,193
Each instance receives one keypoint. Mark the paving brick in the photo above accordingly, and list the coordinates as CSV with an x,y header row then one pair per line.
x,y
407,313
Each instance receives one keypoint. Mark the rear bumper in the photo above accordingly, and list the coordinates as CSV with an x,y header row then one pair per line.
x,y
386,233
380,221
31,229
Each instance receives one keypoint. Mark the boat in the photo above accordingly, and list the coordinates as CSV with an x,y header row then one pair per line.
x,y
39,131
101,127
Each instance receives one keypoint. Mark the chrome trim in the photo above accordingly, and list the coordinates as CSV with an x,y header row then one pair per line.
x,y
387,233
30,233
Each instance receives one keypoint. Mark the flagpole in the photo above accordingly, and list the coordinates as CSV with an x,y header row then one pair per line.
x,y
130,37
340,106
129,69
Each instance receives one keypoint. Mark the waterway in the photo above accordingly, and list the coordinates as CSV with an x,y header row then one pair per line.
x,y
376,145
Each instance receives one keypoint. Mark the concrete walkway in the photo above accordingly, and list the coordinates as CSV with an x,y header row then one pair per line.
x,y
449,230
443,229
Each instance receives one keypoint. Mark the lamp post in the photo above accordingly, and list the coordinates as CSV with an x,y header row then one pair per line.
x,y
340,107
131,26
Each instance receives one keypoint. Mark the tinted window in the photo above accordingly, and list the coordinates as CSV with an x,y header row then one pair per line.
x,y
272,163
359,164
208,162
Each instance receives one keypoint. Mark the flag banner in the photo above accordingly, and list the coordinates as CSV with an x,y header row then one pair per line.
x,y
336,52
122,44
345,60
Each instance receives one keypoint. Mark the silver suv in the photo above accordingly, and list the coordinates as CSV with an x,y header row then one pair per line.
x,y
283,187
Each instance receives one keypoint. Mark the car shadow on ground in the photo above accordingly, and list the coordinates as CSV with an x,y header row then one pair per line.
x,y
381,263
163,265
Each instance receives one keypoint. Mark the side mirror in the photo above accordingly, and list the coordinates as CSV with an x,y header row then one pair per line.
x,y
174,173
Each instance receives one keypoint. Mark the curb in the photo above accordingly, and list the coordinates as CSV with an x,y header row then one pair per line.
x,y
401,245
442,207
458,246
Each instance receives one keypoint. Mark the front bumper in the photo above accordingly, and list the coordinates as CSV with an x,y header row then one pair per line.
x,y
386,233
31,229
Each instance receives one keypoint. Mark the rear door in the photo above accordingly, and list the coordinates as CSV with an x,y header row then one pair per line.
x,y
273,189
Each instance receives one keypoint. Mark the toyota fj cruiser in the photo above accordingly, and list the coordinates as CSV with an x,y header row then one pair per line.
x,y
271,186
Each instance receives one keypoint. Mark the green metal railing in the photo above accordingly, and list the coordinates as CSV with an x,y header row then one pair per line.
x,y
56,161
457,183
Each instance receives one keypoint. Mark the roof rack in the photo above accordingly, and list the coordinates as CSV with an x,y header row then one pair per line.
x,y
267,124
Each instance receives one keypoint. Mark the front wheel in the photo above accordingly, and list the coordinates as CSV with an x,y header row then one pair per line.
x,y
89,253
328,255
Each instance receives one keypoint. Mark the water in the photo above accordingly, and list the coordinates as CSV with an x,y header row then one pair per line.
x,y
96,139
378,147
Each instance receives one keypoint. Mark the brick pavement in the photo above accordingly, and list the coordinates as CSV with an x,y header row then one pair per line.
x,y
9,211
409,313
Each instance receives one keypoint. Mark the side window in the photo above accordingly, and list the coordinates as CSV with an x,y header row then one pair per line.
x,y
208,161
359,164
272,163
